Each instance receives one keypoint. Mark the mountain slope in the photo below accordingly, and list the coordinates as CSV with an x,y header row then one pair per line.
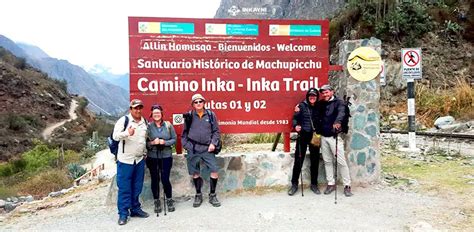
x,y
110,100
29,100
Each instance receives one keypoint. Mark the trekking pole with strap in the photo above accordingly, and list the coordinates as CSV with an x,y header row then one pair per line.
x,y
335,172
301,163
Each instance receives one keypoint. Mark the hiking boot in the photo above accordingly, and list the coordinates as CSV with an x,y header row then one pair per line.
x,y
122,220
139,213
170,204
197,200
329,189
213,200
157,206
315,189
293,189
347,191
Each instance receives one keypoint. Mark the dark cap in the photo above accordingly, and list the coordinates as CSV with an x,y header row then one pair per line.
x,y
326,87
136,102
313,92
156,107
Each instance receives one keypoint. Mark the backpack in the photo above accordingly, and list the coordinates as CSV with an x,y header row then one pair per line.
x,y
113,144
188,120
347,115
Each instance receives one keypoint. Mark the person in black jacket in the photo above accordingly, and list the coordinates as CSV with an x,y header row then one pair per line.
x,y
332,115
305,122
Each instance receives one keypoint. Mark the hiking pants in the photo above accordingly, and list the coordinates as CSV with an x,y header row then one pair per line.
x,y
328,149
130,183
160,168
303,142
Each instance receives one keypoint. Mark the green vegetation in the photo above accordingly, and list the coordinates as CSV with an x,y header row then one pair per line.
x,y
75,170
265,138
404,21
20,122
33,172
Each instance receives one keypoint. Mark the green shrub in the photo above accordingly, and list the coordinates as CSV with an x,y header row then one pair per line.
x,y
40,157
71,157
75,170
16,122
20,122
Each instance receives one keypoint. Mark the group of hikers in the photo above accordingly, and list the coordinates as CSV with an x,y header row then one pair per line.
x,y
150,143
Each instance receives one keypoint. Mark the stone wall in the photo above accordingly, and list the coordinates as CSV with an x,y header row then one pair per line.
x,y
237,172
362,142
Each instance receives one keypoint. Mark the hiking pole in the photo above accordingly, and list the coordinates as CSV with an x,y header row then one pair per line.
x,y
162,184
335,173
301,164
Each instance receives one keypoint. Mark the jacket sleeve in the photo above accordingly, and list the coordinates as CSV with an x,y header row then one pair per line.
x,y
184,137
119,134
216,133
172,140
297,116
341,111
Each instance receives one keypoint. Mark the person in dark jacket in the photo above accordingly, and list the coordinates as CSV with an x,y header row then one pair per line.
x,y
161,136
332,115
305,122
200,140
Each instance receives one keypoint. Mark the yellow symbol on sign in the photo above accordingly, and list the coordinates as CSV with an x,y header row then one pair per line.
x,y
364,64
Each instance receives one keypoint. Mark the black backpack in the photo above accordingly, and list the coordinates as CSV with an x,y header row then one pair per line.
x,y
113,144
347,115
188,120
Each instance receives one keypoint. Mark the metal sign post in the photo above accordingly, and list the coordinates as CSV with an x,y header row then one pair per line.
x,y
411,70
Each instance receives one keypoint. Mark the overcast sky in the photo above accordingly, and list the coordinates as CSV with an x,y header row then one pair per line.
x,y
89,32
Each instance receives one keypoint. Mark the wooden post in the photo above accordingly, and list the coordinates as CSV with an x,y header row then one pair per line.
x,y
179,147
286,142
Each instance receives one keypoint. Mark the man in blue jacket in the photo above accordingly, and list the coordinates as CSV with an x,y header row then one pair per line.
x,y
200,138
332,115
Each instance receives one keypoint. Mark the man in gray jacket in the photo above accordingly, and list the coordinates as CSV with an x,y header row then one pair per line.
x,y
201,137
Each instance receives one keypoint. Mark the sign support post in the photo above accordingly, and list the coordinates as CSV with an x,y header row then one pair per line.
x,y
411,70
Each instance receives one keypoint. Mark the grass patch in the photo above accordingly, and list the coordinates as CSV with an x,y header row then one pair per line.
x,y
265,138
443,177
46,182
457,102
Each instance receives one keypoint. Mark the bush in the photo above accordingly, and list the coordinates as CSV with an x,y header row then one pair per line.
x,y
40,157
20,122
75,170
16,122
405,21
46,182
62,84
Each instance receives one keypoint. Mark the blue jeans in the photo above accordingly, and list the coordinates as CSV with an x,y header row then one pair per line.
x,y
130,183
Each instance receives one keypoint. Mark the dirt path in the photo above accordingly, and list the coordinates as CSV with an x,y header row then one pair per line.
x,y
72,115
377,207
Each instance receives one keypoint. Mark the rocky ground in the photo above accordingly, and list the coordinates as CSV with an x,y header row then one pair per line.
x,y
377,207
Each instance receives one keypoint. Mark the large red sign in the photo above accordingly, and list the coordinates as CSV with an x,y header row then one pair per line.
x,y
251,72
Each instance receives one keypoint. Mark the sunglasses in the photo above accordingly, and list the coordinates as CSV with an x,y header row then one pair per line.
x,y
138,108
198,102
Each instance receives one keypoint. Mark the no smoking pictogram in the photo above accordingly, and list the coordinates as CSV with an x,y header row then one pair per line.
x,y
411,58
